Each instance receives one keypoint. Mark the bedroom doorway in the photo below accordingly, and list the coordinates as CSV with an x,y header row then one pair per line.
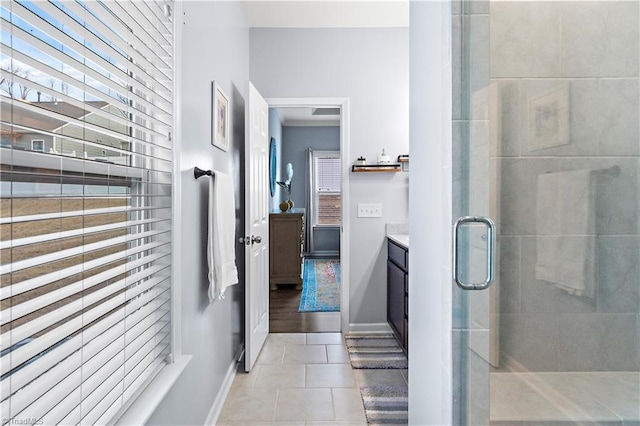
x,y
308,141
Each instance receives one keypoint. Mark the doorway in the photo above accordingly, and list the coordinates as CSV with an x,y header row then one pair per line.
x,y
309,138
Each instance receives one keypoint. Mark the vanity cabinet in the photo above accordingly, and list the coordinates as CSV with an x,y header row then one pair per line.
x,y
286,248
398,292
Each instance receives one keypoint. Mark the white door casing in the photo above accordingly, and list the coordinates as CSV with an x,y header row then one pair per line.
x,y
257,209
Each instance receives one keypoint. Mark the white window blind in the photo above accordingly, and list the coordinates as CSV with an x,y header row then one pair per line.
x,y
85,215
327,188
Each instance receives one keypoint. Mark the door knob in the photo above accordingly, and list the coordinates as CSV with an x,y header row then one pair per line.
x,y
256,239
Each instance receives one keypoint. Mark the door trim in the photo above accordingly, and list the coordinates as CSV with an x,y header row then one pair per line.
x,y
343,103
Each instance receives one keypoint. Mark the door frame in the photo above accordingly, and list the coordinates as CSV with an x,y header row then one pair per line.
x,y
343,103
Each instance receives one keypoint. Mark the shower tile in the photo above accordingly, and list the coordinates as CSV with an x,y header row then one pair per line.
x,y
478,63
509,279
476,7
504,118
619,392
529,342
537,296
618,103
456,67
549,398
619,274
600,39
456,7
459,174
599,342
526,39
518,182
478,398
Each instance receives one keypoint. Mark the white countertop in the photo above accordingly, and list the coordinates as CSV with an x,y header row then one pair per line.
x,y
402,239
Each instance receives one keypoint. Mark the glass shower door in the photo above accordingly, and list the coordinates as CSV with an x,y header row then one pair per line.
x,y
546,142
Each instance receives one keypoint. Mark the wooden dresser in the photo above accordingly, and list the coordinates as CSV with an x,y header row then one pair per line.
x,y
286,245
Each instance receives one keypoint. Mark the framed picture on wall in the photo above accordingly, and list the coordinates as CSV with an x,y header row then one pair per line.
x,y
220,109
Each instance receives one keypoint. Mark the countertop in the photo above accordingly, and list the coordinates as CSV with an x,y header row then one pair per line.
x,y
402,239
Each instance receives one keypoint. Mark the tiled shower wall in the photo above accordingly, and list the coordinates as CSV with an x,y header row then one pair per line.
x,y
587,53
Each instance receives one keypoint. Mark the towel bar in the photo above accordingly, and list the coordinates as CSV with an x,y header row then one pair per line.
x,y
198,172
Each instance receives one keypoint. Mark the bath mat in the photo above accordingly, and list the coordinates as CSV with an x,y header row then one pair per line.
x,y
375,351
321,286
386,405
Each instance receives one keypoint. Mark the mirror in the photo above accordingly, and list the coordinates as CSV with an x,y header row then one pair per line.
x,y
272,166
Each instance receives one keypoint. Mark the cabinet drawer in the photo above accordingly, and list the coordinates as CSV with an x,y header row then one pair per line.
x,y
397,255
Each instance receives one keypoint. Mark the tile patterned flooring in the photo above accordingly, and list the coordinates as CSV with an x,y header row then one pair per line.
x,y
302,379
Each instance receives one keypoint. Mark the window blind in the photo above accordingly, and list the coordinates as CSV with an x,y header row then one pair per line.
x,y
328,173
85,212
327,188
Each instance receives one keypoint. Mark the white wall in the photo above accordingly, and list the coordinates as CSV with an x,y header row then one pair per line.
x,y
215,46
430,285
371,68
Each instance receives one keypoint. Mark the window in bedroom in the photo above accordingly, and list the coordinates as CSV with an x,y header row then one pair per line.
x,y
326,188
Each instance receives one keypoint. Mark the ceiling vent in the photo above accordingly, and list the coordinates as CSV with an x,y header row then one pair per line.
x,y
326,111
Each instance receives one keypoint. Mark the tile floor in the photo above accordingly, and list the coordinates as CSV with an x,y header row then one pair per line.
x,y
302,379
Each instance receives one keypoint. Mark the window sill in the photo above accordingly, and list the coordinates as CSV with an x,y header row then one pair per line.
x,y
144,406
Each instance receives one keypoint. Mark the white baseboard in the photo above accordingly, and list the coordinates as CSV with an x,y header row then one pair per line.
x,y
216,408
376,327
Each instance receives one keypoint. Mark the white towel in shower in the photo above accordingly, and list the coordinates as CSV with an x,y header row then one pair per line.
x,y
565,230
221,254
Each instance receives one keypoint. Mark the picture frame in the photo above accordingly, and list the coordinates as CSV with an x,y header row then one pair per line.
x,y
220,111
548,119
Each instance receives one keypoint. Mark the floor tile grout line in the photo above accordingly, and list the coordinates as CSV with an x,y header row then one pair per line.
x,y
275,409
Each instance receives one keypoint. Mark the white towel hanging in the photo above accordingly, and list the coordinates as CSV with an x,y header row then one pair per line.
x,y
221,255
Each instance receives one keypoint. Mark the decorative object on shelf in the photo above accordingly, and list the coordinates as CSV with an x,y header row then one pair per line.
x,y
384,158
361,161
287,186
219,117
284,206
404,162
273,167
376,168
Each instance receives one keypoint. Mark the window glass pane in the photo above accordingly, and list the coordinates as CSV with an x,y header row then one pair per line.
x,y
327,188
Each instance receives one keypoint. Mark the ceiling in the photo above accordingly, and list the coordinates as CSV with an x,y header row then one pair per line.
x,y
304,117
327,14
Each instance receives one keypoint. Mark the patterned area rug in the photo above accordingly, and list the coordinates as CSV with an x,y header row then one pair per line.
x,y
386,405
375,351
321,286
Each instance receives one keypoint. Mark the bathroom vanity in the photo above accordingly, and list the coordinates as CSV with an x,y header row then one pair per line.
x,y
398,287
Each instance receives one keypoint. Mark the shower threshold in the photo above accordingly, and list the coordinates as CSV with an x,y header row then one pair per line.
x,y
589,398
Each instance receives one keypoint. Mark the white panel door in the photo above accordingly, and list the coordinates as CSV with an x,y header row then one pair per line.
x,y
257,178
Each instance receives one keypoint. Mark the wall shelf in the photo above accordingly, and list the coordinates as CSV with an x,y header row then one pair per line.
x,y
375,168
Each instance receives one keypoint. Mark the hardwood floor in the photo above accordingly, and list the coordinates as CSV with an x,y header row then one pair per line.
x,y
285,318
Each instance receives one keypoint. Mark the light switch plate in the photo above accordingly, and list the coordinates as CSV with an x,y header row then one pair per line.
x,y
369,210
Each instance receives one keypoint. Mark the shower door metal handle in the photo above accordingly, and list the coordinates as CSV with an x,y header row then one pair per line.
x,y
491,247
